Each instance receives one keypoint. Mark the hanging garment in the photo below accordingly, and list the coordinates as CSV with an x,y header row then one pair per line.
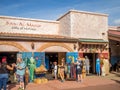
x,y
98,66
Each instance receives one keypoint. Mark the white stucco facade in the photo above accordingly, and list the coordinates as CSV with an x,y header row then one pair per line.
x,y
73,24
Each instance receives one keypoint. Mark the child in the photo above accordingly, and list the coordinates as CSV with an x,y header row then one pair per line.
x,y
55,70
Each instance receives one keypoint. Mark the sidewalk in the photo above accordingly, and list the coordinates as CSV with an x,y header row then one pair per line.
x,y
88,81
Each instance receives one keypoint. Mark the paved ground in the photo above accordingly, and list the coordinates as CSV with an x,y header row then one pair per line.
x,y
111,82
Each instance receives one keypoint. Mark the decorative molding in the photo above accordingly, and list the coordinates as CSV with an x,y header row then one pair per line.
x,y
17,45
44,46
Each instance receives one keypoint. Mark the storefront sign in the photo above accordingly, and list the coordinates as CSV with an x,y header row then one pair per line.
x,y
28,26
22,25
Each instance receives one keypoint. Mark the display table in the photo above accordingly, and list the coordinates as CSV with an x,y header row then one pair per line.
x,y
40,74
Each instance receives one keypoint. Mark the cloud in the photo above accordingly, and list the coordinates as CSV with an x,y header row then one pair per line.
x,y
117,22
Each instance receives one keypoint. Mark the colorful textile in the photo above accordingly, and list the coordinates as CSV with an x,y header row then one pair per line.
x,y
98,66
71,57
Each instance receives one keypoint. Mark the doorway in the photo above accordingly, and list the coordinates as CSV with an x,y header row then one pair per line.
x,y
51,57
92,58
11,56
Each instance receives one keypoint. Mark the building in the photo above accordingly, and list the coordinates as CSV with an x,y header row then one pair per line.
x,y
114,41
76,33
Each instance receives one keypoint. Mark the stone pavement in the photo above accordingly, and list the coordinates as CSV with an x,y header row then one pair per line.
x,y
88,81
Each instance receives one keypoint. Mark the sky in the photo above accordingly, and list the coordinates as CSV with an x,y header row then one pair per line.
x,y
53,9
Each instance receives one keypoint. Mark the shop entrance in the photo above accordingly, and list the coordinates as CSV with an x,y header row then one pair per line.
x,y
11,56
92,57
51,57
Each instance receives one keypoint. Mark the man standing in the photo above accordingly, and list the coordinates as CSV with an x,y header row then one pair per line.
x,y
87,63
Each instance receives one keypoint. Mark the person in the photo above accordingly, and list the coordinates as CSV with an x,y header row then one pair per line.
x,y
79,70
98,66
62,68
55,70
87,63
20,72
4,67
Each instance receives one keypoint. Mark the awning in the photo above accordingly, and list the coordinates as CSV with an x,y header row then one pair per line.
x,y
114,35
92,41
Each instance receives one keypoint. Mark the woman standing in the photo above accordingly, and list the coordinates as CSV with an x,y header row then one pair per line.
x,y
62,69
4,67
20,72
98,66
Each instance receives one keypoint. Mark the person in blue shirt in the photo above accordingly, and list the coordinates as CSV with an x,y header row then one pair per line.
x,y
20,72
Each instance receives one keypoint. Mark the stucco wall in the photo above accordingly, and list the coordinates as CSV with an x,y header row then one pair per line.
x,y
21,46
86,25
65,25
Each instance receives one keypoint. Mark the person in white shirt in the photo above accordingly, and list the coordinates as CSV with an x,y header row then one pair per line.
x,y
87,63
55,70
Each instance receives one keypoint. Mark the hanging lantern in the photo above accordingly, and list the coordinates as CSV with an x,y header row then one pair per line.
x,y
32,45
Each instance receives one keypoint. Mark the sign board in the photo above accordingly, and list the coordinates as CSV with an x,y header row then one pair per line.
x,y
28,26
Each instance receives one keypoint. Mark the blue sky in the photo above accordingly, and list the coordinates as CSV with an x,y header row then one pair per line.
x,y
52,9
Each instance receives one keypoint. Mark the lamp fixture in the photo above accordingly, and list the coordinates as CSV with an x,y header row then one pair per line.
x,y
32,45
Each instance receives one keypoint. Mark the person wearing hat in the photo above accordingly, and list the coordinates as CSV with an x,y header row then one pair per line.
x,y
4,67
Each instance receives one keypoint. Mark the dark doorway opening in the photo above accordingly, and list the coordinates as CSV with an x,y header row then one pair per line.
x,y
11,56
92,58
51,57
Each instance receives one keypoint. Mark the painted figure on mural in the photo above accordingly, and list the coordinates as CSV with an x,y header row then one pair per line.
x,y
87,63
38,61
98,66
32,65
